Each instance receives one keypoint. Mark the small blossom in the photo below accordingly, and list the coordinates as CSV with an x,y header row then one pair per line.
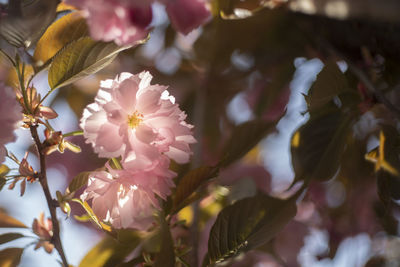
x,y
43,228
124,22
10,114
26,173
26,170
127,198
138,121
55,141
34,111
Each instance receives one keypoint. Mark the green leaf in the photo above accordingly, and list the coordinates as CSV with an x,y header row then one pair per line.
x,y
244,137
26,21
190,183
10,257
63,31
166,256
7,221
79,59
82,218
110,252
79,181
4,170
91,214
387,163
330,82
4,238
385,156
318,145
247,224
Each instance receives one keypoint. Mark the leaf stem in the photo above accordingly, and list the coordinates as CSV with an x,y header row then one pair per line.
x,y
56,240
74,133
117,163
47,94
22,84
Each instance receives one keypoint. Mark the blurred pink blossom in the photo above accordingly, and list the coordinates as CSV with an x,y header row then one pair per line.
x,y
186,15
43,228
124,22
138,121
10,114
127,198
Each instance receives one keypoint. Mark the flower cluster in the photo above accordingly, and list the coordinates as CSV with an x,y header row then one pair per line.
x,y
127,21
142,125
10,114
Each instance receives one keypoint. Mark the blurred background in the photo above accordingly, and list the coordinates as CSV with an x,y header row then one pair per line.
x,y
253,60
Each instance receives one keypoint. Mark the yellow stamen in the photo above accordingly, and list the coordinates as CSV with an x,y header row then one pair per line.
x,y
134,120
377,156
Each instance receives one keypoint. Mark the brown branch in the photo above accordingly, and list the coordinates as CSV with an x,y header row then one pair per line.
x,y
50,201
359,73
372,89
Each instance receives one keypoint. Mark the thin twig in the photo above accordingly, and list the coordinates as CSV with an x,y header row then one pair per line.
x,y
51,203
368,84
22,86
56,240
74,133
363,78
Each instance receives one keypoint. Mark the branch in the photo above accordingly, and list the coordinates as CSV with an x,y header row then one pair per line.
x,y
368,84
50,202
359,73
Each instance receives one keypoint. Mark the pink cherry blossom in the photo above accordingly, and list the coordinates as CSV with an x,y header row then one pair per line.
x,y
127,21
127,198
123,22
186,15
138,121
10,114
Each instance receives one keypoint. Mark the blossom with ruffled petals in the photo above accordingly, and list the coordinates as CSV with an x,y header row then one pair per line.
x,y
124,22
10,114
127,198
138,121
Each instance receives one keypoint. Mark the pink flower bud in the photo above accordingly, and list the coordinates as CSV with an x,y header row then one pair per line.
x,y
25,169
43,228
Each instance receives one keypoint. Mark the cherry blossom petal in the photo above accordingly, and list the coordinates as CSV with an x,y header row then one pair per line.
x,y
186,15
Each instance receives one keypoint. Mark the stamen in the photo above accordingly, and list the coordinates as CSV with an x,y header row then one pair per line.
x,y
134,120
